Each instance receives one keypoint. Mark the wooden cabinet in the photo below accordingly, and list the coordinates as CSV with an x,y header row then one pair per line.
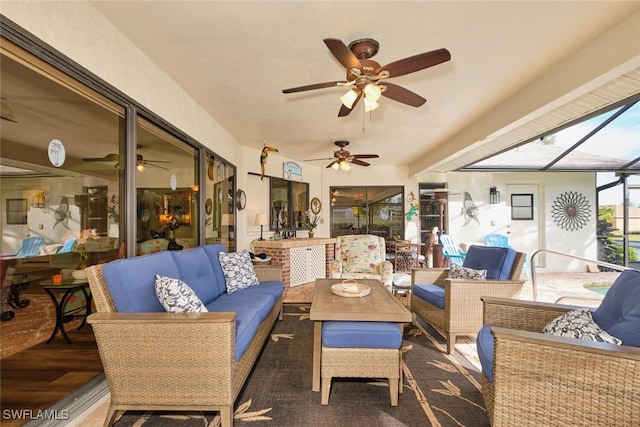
x,y
307,264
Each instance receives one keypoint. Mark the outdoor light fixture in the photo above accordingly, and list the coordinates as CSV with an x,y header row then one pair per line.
x,y
494,196
262,220
140,167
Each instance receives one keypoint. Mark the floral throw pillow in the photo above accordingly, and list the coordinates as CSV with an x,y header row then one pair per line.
x,y
238,270
579,324
459,272
176,296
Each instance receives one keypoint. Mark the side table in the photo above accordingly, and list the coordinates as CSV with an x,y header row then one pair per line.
x,y
65,289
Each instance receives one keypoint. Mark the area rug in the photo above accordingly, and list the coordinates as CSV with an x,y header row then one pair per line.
x,y
439,389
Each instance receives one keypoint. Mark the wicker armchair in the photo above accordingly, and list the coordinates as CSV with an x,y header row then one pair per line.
x,y
546,380
462,312
173,361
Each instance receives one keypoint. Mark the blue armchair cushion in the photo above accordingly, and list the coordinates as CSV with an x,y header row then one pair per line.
x,y
619,312
433,294
176,296
497,261
484,345
238,270
459,272
579,324
361,334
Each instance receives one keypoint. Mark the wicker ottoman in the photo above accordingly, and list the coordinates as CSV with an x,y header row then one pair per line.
x,y
361,350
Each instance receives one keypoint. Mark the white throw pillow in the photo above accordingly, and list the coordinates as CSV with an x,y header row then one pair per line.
x,y
238,270
176,296
579,324
459,272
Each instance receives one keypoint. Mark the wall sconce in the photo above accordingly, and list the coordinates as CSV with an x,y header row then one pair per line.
x,y
262,220
494,196
38,200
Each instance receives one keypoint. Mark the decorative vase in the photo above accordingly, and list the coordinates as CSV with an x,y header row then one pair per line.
x,y
311,234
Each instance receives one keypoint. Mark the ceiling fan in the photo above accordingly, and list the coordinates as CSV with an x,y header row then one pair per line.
x,y
368,78
341,158
140,161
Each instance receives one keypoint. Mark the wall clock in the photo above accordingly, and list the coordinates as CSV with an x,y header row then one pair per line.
x,y
241,200
315,206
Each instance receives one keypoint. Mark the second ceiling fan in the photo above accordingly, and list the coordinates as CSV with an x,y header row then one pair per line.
x,y
366,76
341,158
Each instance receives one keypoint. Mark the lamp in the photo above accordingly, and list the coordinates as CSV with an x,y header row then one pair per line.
x,y
494,196
262,220
350,97
344,165
140,167
370,105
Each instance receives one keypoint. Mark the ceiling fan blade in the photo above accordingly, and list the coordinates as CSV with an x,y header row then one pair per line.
x,y
343,53
314,86
359,162
400,94
332,163
313,160
155,161
344,111
155,166
365,156
108,158
416,62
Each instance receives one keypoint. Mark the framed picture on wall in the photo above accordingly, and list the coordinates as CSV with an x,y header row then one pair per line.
x,y
16,211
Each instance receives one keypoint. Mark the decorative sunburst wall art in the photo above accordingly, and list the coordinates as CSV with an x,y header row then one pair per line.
x,y
571,211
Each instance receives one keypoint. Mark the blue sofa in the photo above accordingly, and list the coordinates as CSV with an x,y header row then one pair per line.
x,y
535,378
180,361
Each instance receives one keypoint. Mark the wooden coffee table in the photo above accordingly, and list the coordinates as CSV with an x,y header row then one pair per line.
x,y
378,306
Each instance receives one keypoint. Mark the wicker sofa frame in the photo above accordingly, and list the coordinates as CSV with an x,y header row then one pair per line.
x,y
547,380
193,365
462,313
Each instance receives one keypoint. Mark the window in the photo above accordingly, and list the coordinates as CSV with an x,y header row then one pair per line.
x,y
367,210
521,207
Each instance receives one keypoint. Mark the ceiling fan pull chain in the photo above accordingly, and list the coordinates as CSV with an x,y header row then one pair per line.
x,y
363,120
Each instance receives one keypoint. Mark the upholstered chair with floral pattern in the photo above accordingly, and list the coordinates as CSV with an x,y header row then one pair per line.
x,y
361,257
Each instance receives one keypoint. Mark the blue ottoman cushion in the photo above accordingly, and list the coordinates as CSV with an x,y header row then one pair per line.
x,y
433,294
361,334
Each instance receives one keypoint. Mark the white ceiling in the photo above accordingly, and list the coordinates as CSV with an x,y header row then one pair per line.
x,y
235,58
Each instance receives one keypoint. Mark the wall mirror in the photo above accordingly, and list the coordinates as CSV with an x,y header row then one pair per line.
x,y
289,203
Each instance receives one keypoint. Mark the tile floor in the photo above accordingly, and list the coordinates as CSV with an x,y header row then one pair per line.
x,y
550,287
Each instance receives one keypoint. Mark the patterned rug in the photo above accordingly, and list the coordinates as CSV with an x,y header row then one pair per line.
x,y
439,389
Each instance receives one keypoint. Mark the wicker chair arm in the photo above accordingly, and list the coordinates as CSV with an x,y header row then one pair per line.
x,y
588,383
268,272
429,276
519,314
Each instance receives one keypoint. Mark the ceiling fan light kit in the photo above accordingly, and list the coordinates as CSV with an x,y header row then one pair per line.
x,y
366,75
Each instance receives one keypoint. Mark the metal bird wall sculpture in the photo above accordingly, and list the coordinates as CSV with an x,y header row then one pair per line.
x,y
263,158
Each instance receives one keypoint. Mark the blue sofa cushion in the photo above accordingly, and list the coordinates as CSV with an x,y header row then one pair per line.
x,y
247,324
619,311
238,270
196,270
361,334
176,296
433,294
240,301
212,252
132,281
497,261
275,288
484,344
